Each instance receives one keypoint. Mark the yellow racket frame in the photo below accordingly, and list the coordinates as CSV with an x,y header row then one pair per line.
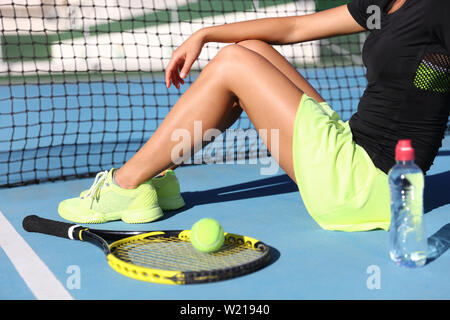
x,y
165,276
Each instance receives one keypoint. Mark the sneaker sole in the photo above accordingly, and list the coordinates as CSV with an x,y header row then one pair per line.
x,y
129,216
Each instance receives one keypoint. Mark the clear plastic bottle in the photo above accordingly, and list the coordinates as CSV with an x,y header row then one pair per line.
x,y
408,244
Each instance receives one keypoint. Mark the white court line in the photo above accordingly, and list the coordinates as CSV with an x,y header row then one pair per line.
x,y
38,277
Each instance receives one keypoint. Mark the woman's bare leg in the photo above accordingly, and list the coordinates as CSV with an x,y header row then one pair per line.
x,y
236,78
272,55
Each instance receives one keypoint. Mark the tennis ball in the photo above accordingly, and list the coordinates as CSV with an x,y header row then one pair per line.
x,y
207,235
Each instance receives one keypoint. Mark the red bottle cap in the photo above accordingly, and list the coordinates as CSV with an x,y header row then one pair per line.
x,y
404,151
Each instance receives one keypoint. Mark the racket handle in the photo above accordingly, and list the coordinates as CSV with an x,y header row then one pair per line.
x,y
34,223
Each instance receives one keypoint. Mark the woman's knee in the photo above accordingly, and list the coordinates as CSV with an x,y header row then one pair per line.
x,y
231,54
231,59
257,46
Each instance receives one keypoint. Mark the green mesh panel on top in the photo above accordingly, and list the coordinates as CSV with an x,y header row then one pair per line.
x,y
433,73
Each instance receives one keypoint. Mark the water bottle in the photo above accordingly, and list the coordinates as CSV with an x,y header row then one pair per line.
x,y
408,245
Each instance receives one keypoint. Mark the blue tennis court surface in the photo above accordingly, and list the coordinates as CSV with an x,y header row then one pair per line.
x,y
307,262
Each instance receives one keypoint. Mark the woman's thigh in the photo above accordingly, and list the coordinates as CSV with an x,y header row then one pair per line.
x,y
268,96
274,57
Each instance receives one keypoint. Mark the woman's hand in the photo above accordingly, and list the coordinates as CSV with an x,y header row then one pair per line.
x,y
182,59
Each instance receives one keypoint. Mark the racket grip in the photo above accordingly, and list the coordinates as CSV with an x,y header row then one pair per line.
x,y
34,223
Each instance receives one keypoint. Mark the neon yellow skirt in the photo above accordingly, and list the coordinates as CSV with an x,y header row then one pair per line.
x,y
338,182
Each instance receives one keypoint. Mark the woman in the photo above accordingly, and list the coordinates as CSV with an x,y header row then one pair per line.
x,y
341,167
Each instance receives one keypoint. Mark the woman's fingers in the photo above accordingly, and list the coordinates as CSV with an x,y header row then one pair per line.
x,y
182,60
169,73
173,72
176,77
189,61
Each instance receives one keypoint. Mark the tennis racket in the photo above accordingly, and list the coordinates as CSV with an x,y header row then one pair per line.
x,y
162,256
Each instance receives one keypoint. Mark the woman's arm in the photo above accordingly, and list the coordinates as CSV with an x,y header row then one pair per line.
x,y
285,30
282,30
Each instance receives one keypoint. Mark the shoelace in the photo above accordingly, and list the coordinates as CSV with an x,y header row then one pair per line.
x,y
96,187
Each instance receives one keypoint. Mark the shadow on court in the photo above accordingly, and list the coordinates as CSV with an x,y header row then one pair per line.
x,y
248,190
438,243
436,193
444,153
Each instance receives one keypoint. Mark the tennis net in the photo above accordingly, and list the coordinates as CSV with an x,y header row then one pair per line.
x,y
82,81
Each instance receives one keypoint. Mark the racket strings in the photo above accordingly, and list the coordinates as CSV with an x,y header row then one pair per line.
x,y
171,253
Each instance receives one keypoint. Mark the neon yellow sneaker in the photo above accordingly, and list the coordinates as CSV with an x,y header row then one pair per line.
x,y
168,191
105,201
